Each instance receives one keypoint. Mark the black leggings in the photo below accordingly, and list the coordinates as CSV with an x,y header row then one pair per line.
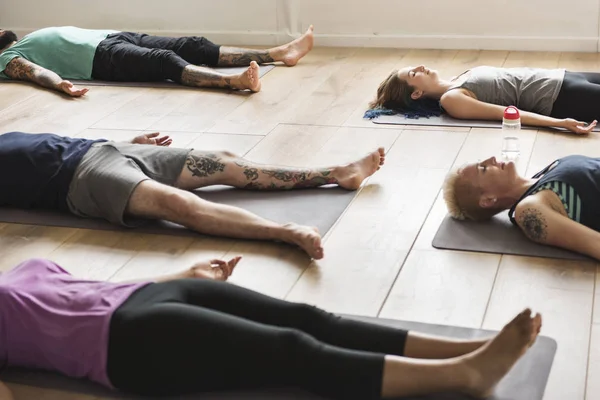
x,y
579,97
136,57
190,336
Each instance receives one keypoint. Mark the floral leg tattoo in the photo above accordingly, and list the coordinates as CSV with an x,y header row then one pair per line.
x,y
281,179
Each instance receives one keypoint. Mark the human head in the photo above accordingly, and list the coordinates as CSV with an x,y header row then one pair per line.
x,y
410,89
7,38
478,191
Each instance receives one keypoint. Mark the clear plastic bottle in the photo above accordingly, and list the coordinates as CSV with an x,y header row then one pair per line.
x,y
511,123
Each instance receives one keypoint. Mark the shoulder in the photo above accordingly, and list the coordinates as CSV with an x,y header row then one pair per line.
x,y
535,201
458,102
455,95
538,204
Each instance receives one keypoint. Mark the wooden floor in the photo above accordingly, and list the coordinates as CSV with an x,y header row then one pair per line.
x,y
379,260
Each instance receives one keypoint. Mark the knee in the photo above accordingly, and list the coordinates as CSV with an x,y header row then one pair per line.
x,y
310,316
177,202
294,342
226,154
163,54
165,64
229,154
221,154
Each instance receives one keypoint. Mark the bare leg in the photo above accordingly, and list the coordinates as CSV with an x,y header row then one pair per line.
x,y
419,345
289,53
206,77
224,168
153,200
475,374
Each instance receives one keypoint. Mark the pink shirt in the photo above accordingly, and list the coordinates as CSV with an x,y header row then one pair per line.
x,y
53,321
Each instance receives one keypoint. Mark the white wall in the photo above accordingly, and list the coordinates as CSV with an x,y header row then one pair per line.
x,y
542,25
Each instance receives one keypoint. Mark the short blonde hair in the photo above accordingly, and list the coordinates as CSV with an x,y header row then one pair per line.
x,y
462,198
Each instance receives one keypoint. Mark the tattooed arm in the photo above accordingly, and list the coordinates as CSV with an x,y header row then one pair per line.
x,y
544,223
21,69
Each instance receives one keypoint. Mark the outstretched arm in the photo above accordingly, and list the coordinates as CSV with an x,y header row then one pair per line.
x,y
152,139
542,224
215,269
5,393
21,69
459,105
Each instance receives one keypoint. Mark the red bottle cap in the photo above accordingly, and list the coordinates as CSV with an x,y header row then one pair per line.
x,y
512,113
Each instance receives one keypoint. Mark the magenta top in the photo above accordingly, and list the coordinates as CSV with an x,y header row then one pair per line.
x,y
53,321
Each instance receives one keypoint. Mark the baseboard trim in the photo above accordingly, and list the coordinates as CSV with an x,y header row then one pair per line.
x,y
452,42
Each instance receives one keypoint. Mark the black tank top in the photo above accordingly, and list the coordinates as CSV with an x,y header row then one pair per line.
x,y
583,175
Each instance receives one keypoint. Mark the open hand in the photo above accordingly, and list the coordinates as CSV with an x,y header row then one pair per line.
x,y
217,270
73,91
152,139
580,128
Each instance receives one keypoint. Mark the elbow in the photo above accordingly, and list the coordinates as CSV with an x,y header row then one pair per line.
x,y
537,236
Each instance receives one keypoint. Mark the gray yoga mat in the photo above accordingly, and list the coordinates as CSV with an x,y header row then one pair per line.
x,y
264,69
497,235
319,207
526,381
446,120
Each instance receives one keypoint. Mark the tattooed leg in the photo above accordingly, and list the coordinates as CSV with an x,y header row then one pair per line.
x,y
233,56
289,53
205,77
262,177
223,168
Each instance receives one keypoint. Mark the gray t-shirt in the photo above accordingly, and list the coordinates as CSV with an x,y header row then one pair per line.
x,y
529,89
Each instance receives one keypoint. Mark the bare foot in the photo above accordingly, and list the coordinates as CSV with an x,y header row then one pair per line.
x,y
250,79
352,175
307,238
292,52
491,363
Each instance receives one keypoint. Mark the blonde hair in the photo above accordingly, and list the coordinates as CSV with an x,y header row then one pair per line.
x,y
462,199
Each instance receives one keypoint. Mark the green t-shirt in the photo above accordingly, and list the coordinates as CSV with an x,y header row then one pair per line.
x,y
68,51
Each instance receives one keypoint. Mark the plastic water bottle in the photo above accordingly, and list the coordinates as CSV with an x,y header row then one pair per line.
x,y
511,124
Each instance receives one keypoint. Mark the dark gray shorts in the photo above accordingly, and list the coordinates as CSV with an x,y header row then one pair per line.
x,y
110,171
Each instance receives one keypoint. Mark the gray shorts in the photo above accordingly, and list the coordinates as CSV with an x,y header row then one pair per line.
x,y
110,171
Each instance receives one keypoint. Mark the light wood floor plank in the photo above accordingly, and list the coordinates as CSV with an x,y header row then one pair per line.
x,y
283,90
199,110
51,112
535,59
563,291
443,287
550,146
161,255
12,94
21,242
